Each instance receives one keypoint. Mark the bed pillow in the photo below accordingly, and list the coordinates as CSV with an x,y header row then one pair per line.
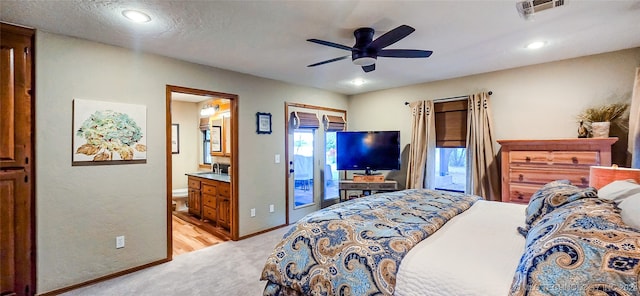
x,y
553,195
619,190
627,194
582,248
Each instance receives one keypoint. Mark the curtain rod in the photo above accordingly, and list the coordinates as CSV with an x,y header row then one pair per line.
x,y
451,98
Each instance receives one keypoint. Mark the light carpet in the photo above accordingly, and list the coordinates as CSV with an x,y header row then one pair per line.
x,y
230,268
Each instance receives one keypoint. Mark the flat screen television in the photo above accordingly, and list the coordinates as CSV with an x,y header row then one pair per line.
x,y
368,150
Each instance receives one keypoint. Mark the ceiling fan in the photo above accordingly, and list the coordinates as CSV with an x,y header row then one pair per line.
x,y
366,50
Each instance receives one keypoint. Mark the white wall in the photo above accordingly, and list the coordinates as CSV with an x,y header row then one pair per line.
x,y
186,114
80,210
533,102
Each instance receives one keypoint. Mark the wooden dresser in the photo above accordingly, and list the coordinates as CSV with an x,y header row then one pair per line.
x,y
529,164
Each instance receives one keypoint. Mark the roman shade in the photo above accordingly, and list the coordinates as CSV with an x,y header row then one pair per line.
x,y
204,124
333,123
304,120
451,123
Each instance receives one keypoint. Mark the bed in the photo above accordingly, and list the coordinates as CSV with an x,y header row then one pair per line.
x,y
567,241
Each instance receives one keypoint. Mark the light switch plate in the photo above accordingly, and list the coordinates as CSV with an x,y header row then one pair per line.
x,y
120,242
277,158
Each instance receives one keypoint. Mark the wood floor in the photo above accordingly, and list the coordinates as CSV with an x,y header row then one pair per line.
x,y
188,238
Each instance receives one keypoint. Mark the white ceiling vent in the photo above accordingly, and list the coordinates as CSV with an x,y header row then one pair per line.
x,y
529,7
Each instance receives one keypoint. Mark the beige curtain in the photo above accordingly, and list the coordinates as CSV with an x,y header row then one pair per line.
x,y
482,178
421,169
634,124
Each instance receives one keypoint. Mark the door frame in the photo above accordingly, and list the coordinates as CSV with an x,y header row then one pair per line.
x,y
233,99
287,126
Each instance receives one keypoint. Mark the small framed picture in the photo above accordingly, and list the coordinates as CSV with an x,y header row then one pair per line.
x,y
263,122
216,138
175,138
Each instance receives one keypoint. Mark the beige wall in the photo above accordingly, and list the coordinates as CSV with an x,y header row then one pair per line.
x,y
533,102
186,114
80,210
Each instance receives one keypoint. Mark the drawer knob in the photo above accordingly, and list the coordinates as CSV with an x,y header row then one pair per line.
x,y
519,195
574,160
584,180
520,177
527,159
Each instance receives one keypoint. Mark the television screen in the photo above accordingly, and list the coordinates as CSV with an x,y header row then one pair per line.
x,y
370,150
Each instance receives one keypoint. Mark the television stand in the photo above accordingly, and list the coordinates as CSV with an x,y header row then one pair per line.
x,y
366,187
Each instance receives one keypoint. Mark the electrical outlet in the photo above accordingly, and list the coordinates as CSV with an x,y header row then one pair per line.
x,y
277,158
253,212
120,242
271,208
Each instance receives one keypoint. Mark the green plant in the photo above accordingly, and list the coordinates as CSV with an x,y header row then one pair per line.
x,y
616,113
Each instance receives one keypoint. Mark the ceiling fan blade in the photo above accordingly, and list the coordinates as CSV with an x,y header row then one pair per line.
x,y
329,61
404,53
369,68
391,37
327,43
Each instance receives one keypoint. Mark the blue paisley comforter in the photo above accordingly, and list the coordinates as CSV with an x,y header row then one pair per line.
x,y
355,248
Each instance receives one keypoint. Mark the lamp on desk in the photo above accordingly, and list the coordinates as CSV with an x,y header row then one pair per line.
x,y
600,176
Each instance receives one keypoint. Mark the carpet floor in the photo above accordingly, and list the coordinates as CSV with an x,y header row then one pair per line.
x,y
229,268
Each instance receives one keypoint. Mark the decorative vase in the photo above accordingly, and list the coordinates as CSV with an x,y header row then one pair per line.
x,y
600,129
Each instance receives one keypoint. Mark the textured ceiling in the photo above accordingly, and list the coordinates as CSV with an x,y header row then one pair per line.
x,y
267,38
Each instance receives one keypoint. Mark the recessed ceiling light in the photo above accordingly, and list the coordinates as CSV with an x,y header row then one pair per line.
x,y
136,16
358,81
536,44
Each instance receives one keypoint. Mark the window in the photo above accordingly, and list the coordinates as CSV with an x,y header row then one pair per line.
x,y
451,141
206,146
451,169
331,180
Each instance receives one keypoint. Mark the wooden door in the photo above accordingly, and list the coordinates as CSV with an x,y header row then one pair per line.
x,y
17,215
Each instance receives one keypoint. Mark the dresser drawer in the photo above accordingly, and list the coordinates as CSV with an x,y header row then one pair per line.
x,y
209,213
223,190
194,183
209,189
544,175
576,157
521,193
586,158
532,157
209,200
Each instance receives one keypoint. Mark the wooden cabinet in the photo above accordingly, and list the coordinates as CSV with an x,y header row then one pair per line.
x,y
220,136
224,206
194,199
210,200
17,202
529,164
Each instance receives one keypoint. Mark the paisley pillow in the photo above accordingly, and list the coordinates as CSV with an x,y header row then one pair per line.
x,y
582,248
553,195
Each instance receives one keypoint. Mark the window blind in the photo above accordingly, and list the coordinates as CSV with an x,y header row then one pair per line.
x,y
451,124
333,123
304,120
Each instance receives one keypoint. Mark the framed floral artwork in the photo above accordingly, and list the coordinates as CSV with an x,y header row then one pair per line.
x,y
108,133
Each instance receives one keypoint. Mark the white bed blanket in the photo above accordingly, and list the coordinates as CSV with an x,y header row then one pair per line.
x,y
475,253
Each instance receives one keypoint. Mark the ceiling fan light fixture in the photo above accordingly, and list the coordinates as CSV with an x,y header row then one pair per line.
x,y
364,61
136,16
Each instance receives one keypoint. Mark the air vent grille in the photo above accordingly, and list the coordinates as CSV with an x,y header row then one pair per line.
x,y
529,7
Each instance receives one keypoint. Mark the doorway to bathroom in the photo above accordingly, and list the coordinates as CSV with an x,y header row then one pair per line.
x,y
200,134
